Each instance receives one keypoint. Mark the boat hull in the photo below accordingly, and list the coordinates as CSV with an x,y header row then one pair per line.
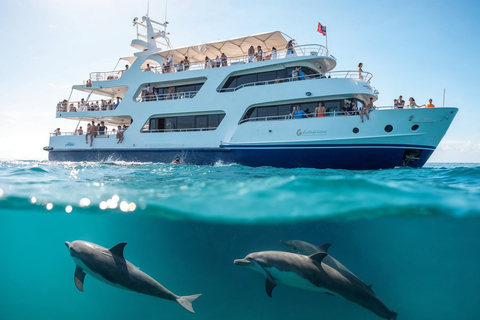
x,y
358,157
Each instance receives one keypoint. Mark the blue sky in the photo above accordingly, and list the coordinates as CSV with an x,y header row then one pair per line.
x,y
413,48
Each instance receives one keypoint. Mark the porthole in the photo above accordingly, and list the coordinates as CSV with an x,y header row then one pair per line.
x,y
415,127
388,128
355,130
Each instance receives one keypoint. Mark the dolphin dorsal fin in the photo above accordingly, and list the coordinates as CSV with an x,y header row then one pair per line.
x,y
324,247
318,257
118,249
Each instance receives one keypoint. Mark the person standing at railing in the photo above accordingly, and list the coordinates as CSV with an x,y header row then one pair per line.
x,y
186,63
223,57
290,50
413,104
274,53
400,103
360,70
430,104
89,132
259,53
320,110
170,64
251,53
299,113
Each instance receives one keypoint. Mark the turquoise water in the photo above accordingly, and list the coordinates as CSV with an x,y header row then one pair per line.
x,y
412,233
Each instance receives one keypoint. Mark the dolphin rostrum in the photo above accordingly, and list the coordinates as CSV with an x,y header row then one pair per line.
x,y
310,273
308,249
109,266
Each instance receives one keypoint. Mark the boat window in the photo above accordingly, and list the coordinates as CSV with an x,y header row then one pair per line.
x,y
169,92
267,76
170,123
201,121
246,79
285,110
236,82
332,106
214,120
267,111
183,123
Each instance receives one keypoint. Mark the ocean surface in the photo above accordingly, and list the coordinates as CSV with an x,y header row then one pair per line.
x,y
414,234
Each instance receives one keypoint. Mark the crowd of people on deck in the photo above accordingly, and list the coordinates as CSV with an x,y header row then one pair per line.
x,y
400,103
222,60
80,106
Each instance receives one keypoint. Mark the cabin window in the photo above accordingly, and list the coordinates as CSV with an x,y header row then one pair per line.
x,y
170,92
183,123
236,82
201,121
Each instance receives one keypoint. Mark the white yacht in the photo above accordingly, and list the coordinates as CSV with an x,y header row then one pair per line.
x,y
219,102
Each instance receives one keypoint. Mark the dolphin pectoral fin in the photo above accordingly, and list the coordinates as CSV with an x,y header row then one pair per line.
x,y
318,257
269,283
118,249
324,247
330,294
79,277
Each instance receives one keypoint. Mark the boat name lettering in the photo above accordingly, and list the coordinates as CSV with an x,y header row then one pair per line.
x,y
309,132
70,144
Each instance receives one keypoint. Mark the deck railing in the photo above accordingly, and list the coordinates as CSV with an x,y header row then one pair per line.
x,y
167,96
303,50
329,75
92,105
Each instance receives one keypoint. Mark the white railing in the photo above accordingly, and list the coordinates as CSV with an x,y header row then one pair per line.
x,y
299,51
179,130
109,75
107,134
166,96
82,106
336,74
303,116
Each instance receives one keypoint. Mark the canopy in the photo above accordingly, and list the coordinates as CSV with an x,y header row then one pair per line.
x,y
231,48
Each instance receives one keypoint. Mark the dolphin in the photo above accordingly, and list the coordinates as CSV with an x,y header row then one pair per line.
x,y
109,266
306,248
310,273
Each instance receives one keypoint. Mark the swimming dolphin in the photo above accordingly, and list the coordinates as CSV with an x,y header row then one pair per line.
x,y
310,273
306,248
109,266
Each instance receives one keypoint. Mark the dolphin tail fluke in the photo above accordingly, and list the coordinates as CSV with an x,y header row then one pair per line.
x,y
186,301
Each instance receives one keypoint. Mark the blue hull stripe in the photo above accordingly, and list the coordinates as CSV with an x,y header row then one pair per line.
x,y
355,158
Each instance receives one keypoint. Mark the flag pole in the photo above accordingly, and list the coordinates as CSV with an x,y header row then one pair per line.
x,y
326,40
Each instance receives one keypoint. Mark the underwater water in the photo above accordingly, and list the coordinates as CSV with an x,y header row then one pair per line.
x,y
413,234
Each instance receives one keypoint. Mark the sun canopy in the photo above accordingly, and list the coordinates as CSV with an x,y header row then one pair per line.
x,y
231,48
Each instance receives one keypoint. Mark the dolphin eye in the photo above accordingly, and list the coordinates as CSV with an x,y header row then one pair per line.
x,y
294,248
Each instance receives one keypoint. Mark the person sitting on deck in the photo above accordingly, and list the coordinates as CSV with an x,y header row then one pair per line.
x,y
102,129
119,134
